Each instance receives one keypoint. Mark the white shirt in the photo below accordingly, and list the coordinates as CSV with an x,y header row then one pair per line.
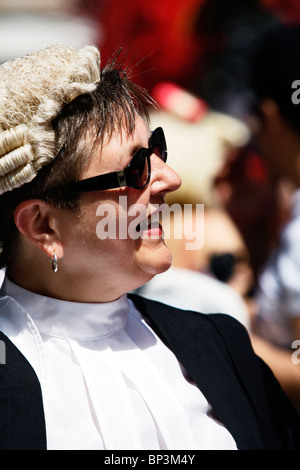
x,y
107,380
278,296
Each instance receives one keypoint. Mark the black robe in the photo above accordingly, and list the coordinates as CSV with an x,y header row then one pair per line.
x,y
216,352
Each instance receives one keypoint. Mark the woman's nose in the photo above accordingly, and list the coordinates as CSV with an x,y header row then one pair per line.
x,y
163,177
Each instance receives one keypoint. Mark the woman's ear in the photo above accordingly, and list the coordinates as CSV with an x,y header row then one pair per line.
x,y
35,219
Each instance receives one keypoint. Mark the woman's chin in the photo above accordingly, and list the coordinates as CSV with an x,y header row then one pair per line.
x,y
157,261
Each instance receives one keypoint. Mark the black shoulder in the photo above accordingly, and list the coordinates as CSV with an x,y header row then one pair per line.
x,y
226,324
22,422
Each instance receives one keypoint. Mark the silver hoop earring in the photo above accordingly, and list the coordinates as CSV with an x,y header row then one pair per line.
x,y
54,263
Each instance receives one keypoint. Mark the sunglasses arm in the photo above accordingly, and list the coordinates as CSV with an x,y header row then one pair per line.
x,y
121,178
100,182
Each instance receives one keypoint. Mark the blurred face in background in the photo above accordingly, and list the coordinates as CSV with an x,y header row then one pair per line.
x,y
278,144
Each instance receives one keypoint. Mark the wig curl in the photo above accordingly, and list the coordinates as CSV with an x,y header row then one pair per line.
x,y
33,91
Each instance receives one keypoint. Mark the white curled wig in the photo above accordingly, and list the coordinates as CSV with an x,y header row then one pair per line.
x,y
33,91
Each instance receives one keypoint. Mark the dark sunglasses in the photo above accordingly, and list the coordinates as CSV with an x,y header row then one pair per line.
x,y
136,175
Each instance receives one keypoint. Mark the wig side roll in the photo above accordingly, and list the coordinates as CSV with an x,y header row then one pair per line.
x,y
33,91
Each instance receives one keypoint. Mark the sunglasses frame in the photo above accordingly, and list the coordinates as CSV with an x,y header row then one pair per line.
x,y
121,178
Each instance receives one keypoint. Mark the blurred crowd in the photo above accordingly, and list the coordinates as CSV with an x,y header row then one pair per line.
x,y
224,75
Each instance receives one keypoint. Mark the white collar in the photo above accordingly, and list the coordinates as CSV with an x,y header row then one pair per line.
x,y
76,320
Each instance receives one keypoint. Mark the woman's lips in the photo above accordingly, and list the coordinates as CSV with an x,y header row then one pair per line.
x,y
151,227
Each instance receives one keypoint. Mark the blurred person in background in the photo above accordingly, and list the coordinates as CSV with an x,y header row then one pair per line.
x,y
260,189
275,67
88,367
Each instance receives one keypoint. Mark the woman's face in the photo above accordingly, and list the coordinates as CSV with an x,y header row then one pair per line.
x,y
92,244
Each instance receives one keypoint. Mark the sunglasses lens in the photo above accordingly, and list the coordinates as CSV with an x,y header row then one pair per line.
x,y
140,169
158,144
139,166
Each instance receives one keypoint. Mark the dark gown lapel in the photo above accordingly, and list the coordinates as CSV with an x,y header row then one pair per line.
x,y
22,421
200,349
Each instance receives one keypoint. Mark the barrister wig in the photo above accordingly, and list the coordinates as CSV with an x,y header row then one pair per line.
x,y
33,91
